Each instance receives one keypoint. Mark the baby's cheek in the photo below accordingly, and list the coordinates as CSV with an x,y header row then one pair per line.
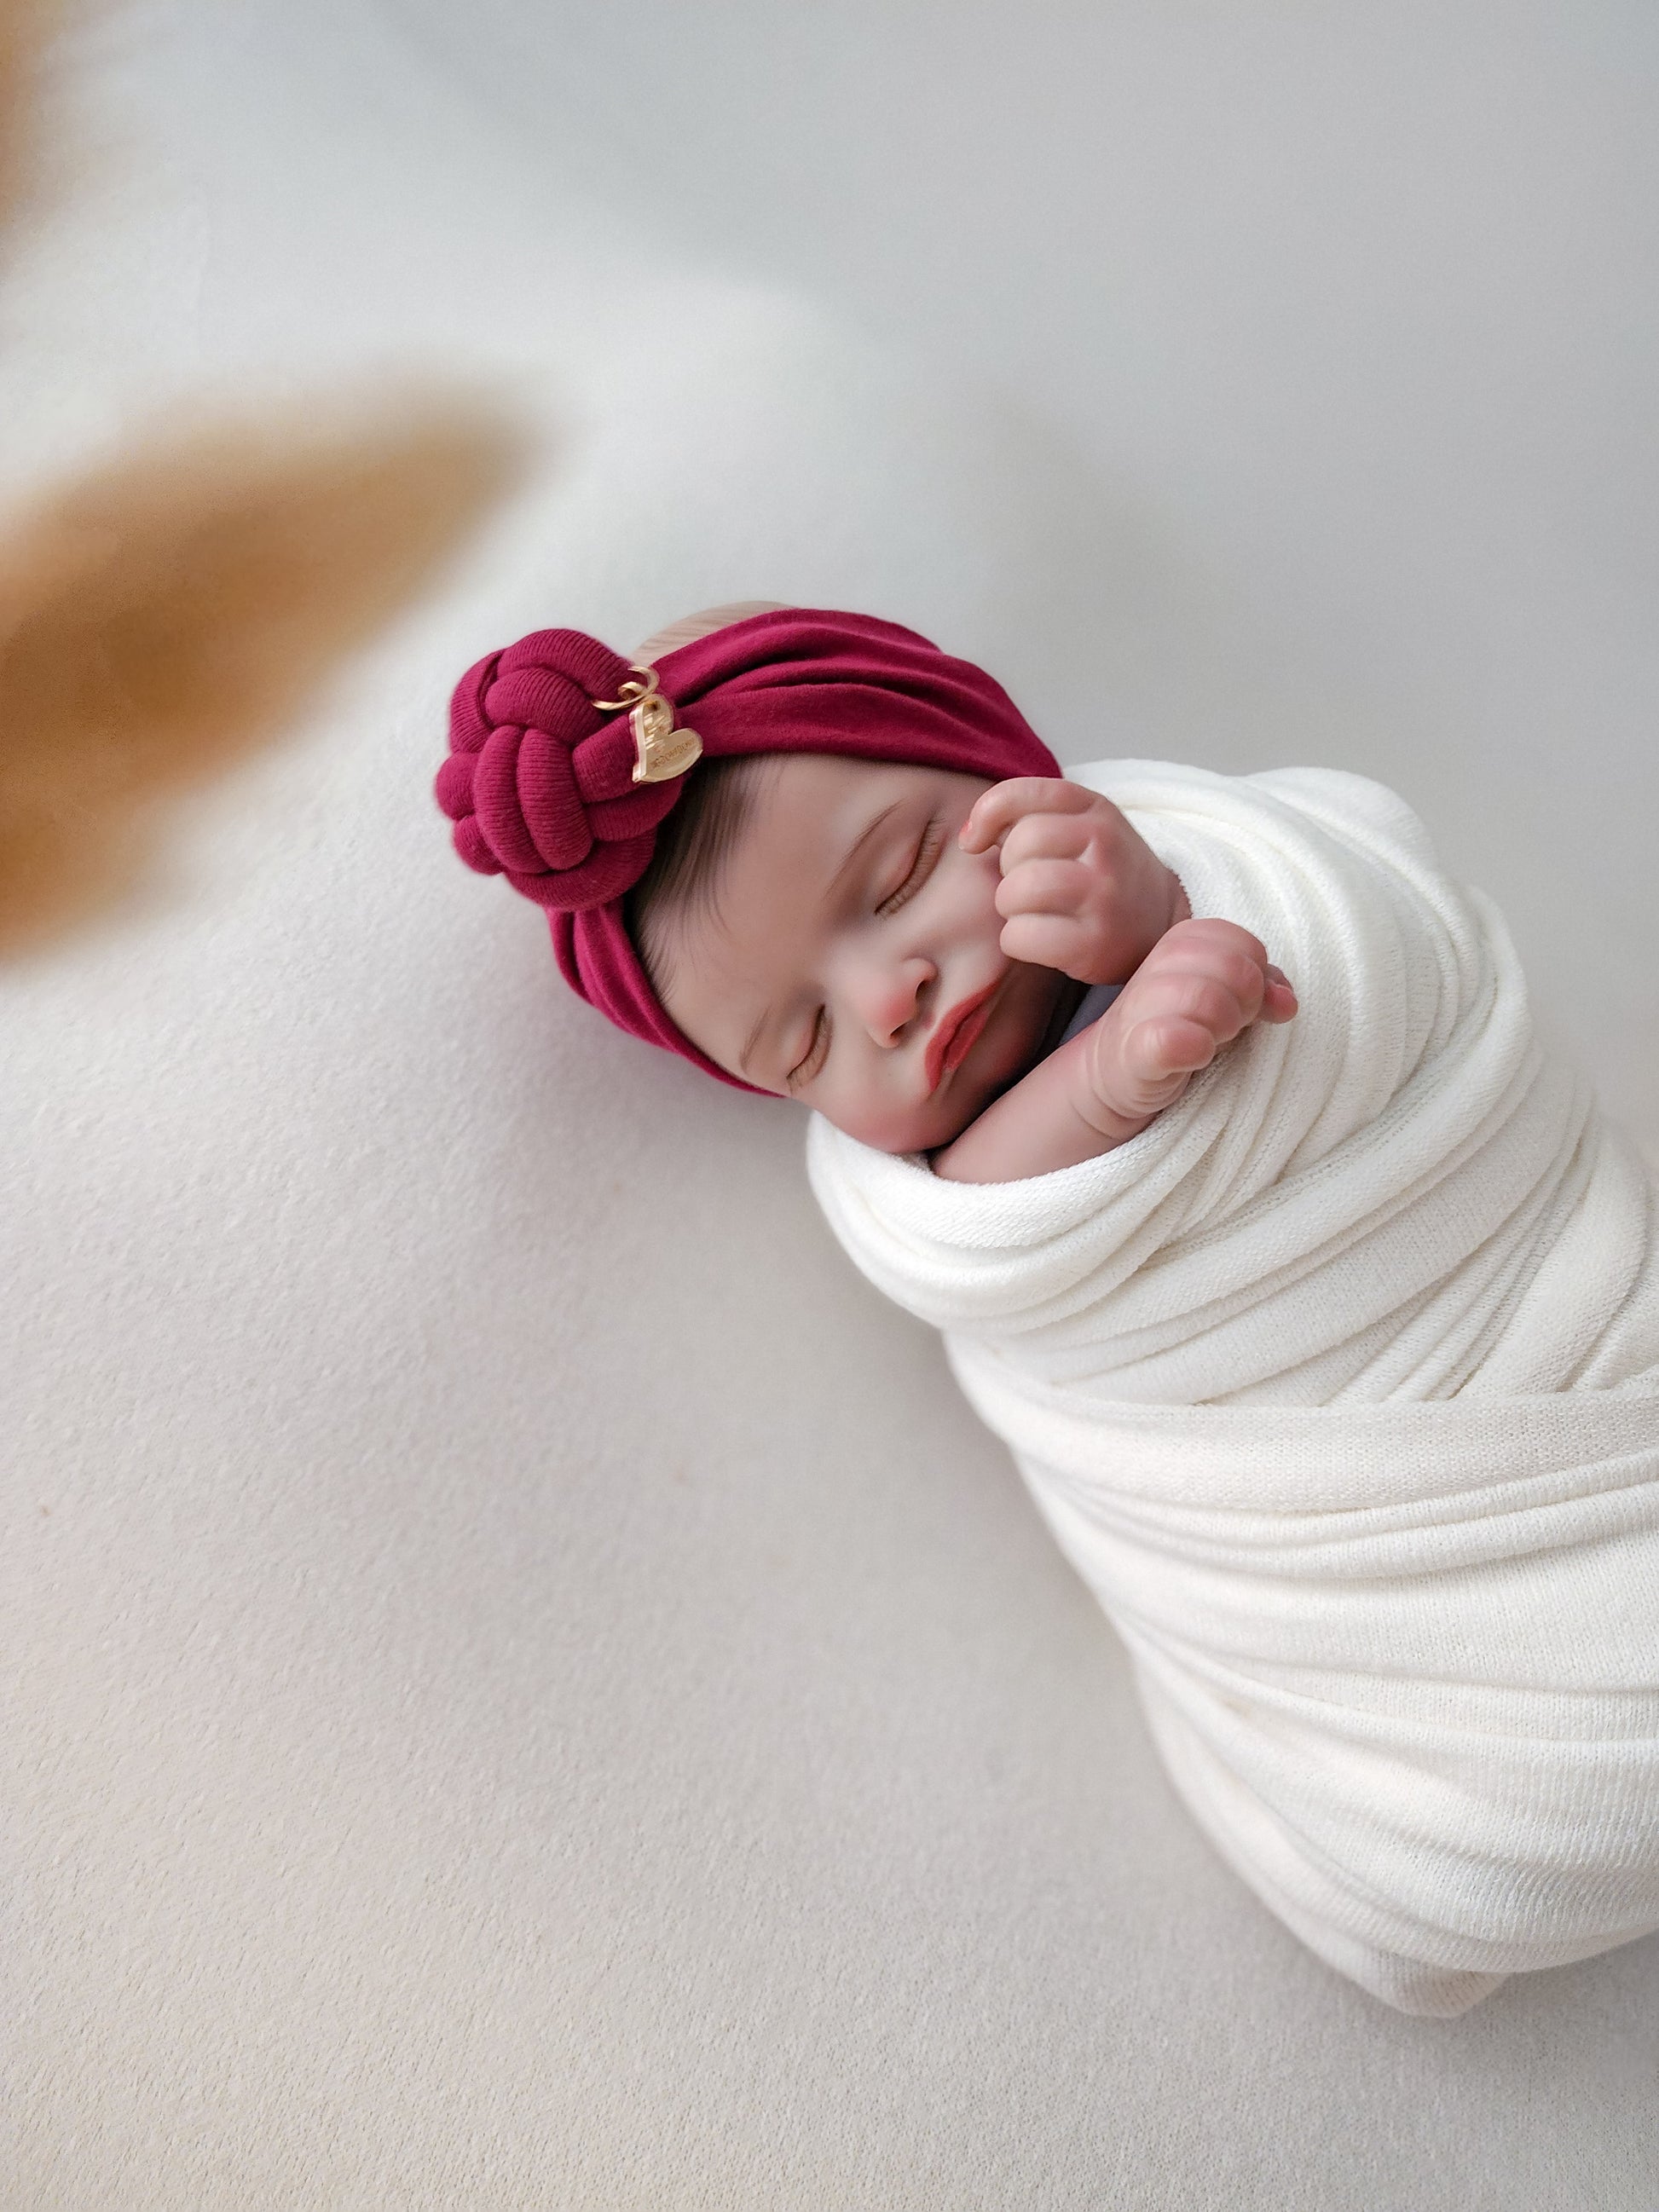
x,y
886,1131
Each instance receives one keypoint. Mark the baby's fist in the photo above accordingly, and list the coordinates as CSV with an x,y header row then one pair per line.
x,y
1199,987
1081,890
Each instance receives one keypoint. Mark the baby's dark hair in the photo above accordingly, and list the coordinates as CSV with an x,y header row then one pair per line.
x,y
694,843
696,838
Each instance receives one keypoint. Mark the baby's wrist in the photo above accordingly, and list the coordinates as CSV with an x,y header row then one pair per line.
x,y
1163,903
1095,1095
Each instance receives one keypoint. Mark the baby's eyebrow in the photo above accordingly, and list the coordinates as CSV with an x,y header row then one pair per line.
x,y
858,845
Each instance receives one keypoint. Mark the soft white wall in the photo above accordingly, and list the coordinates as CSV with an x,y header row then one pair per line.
x,y
527,1686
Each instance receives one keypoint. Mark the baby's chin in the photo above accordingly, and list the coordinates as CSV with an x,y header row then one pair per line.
x,y
923,1129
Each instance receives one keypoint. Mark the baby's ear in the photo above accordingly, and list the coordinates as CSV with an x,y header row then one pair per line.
x,y
166,615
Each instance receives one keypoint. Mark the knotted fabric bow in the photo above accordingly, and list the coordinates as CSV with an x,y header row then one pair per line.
x,y
540,779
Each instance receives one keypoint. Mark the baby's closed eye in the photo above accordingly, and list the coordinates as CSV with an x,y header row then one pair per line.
x,y
928,848
817,1052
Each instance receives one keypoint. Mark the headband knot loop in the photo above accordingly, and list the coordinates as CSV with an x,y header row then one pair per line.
x,y
541,782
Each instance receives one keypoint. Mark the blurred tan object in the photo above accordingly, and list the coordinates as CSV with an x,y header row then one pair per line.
x,y
23,33
177,607
163,617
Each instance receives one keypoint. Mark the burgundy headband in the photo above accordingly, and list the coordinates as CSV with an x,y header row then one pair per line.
x,y
543,785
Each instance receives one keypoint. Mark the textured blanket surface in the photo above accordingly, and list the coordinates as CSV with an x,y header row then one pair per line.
x,y
1340,1387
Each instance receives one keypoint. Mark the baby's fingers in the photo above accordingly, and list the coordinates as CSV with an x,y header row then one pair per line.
x,y
1049,940
996,810
1197,956
1047,836
1169,1045
1045,887
1279,1001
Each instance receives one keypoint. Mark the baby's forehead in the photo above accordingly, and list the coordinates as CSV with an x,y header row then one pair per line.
x,y
835,789
799,777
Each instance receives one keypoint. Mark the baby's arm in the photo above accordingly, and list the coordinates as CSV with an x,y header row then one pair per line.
x,y
1200,985
1084,893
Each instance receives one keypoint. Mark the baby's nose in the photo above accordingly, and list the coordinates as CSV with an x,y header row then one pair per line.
x,y
888,996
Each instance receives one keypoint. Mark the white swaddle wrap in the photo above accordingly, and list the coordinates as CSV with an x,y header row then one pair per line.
x,y
1340,1386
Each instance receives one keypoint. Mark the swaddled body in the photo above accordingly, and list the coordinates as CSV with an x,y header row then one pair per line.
x,y
1340,1385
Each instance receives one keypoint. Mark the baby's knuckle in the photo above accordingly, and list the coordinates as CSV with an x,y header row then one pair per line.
x,y
1209,1000
1244,976
1192,936
1226,937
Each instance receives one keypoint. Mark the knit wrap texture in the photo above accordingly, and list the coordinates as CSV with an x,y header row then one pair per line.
x,y
1339,1385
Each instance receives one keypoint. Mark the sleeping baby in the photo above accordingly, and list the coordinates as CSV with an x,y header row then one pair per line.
x,y
1326,1337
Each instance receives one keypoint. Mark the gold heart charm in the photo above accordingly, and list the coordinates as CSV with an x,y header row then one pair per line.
x,y
661,752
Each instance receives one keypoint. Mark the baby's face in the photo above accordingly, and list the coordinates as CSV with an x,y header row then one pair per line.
x,y
851,956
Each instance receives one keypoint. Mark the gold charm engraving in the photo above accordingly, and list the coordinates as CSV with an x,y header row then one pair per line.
x,y
661,751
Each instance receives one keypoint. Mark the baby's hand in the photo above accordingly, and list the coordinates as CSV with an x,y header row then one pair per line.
x,y
1200,985
1081,890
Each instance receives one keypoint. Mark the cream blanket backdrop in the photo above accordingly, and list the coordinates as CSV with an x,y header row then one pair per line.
x,y
1340,1387
453,1759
